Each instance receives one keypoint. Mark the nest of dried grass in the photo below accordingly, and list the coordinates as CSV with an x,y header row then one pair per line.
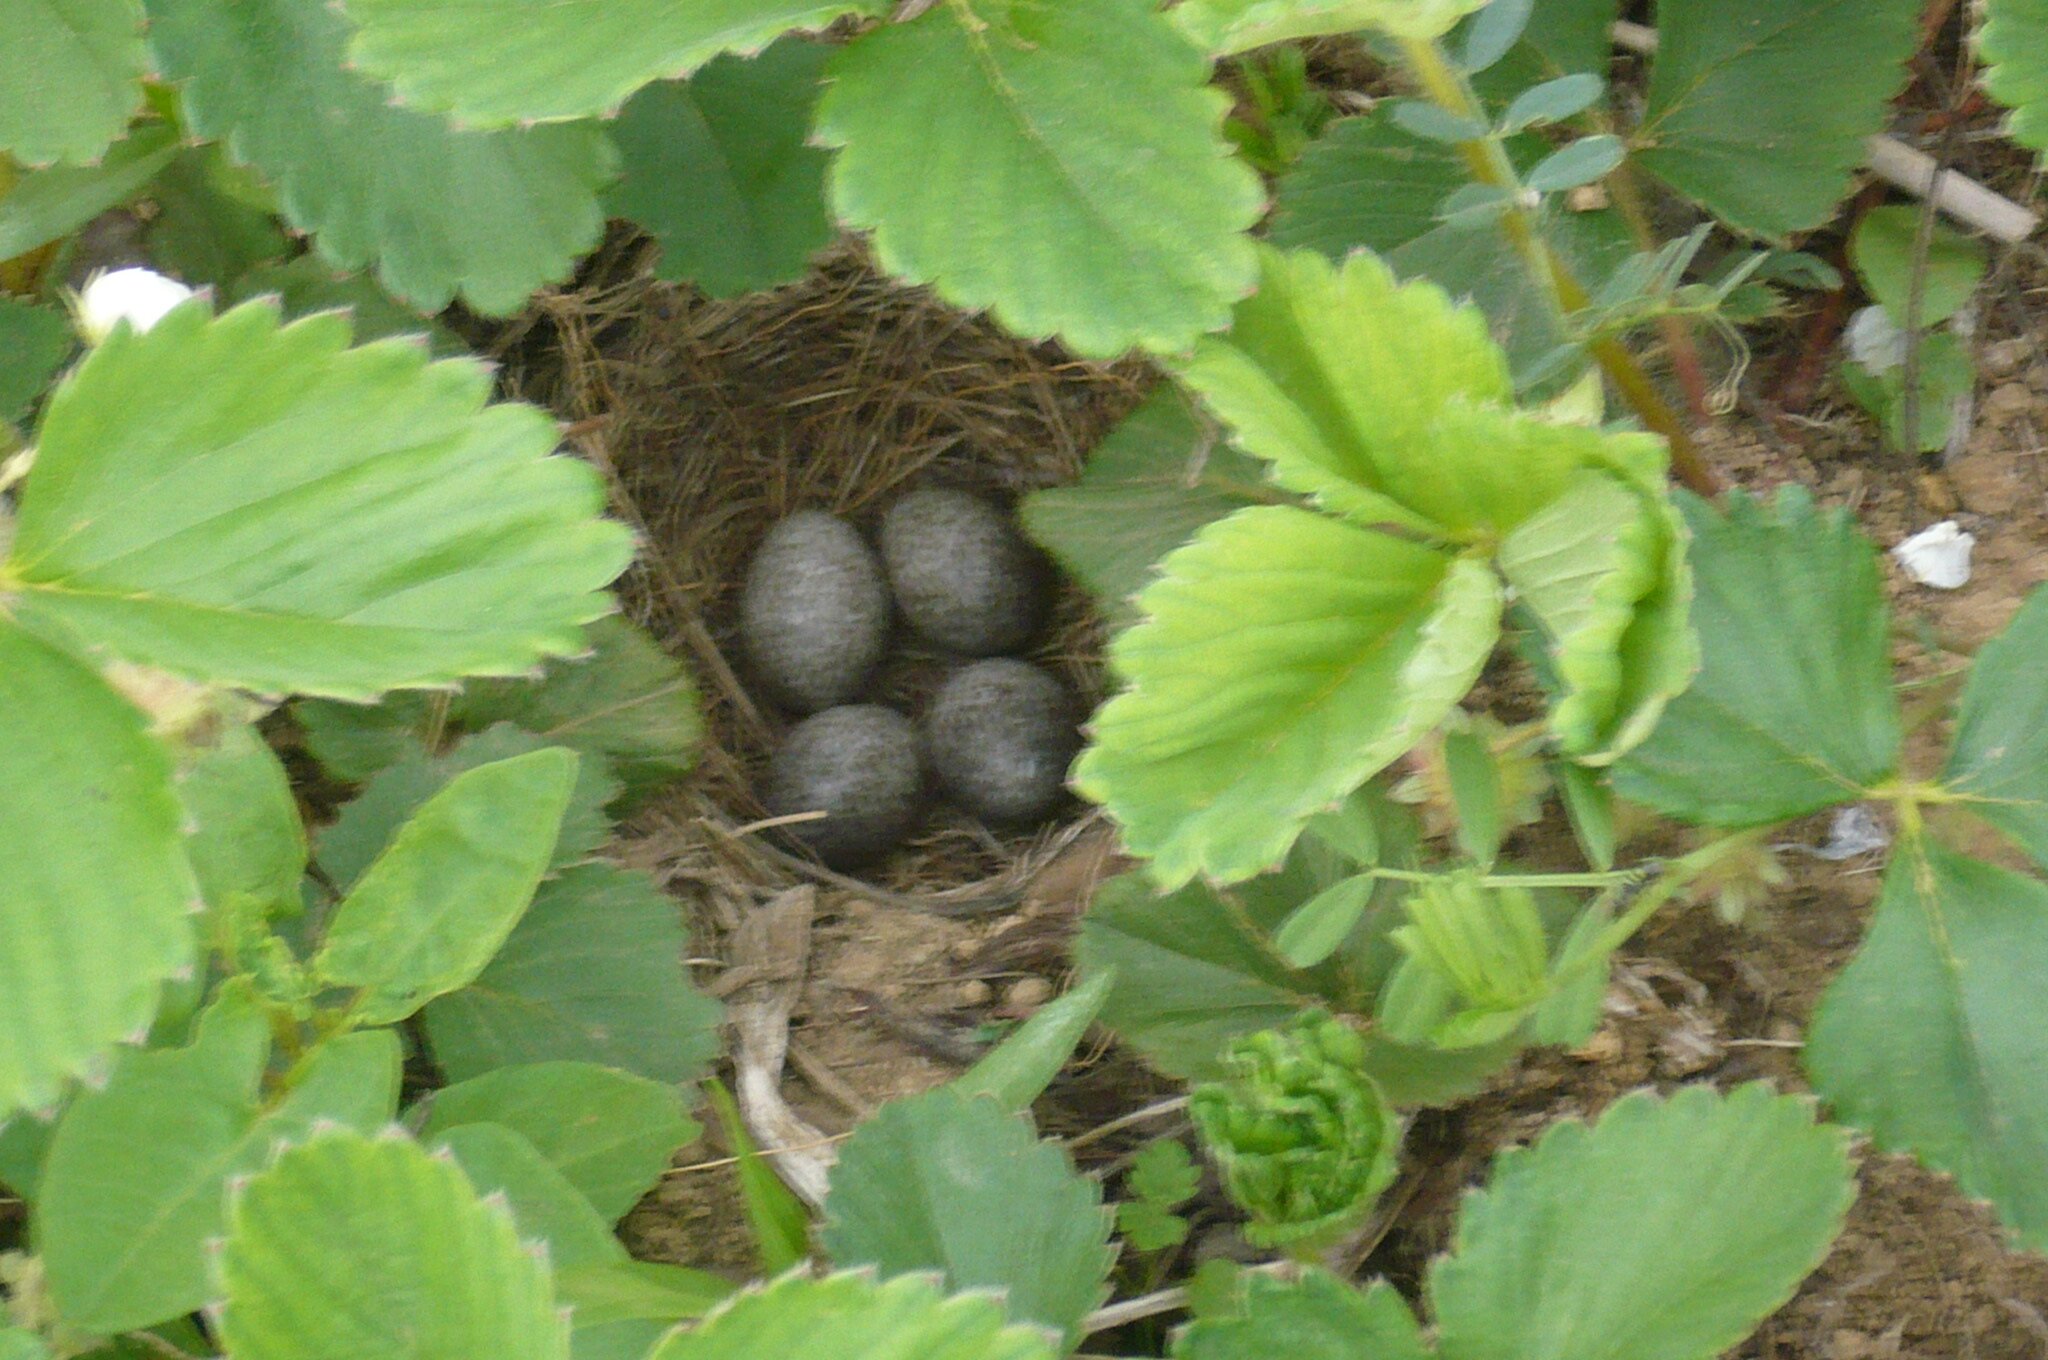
x,y
713,419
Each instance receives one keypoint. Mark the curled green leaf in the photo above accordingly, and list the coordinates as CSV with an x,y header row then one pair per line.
x,y
1478,963
1305,1142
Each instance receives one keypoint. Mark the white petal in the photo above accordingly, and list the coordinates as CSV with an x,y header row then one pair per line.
x,y
140,297
1938,556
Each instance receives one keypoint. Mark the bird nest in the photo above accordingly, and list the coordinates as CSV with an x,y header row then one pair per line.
x,y
712,419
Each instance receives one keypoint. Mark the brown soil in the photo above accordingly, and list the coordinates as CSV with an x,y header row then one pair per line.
x,y
714,418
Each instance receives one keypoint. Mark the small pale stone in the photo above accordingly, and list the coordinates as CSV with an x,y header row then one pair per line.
x,y
2002,358
2008,400
1604,1046
1027,992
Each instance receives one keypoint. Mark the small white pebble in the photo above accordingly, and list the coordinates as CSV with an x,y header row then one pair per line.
x,y
1938,556
141,297
1027,992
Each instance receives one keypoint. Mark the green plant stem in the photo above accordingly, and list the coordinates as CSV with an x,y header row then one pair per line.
x,y
1487,160
1608,879
1674,879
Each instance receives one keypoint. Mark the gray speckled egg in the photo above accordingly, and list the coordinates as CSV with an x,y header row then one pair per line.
x,y
1000,735
964,578
814,613
861,765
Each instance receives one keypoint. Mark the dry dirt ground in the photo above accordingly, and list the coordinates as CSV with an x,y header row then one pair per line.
x,y
715,418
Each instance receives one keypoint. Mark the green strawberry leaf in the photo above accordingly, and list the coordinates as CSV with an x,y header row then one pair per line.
x,y
1883,250
349,843
2015,53
1367,182
627,702
627,705
309,284
1931,1038
1999,758
248,842
848,1316
608,1132
1197,967
956,1184
527,61
1285,659
1151,483
1758,109
639,1291
349,1246
320,519
1792,710
137,1178
1603,570
546,1207
1317,1317
1388,403
429,912
720,171
592,973
488,215
1224,27
70,78
989,147
96,892
47,205
1624,1238
19,1344
212,224
34,343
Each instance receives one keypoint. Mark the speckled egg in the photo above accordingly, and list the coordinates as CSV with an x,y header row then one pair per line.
x,y
1000,735
964,578
862,766
814,612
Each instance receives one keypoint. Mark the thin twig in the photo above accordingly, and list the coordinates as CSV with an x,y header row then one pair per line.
x,y
1144,1306
1122,1122
1160,1301
717,1162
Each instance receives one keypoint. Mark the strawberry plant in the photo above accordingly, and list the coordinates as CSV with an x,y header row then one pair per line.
x,y
387,1086
313,523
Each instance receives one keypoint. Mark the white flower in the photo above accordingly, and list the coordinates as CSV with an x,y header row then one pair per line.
x,y
1938,556
139,297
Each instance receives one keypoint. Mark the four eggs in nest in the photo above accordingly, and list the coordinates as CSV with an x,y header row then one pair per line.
x,y
815,619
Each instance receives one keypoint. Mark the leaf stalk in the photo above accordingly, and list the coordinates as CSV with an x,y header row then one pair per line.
x,y
1486,158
